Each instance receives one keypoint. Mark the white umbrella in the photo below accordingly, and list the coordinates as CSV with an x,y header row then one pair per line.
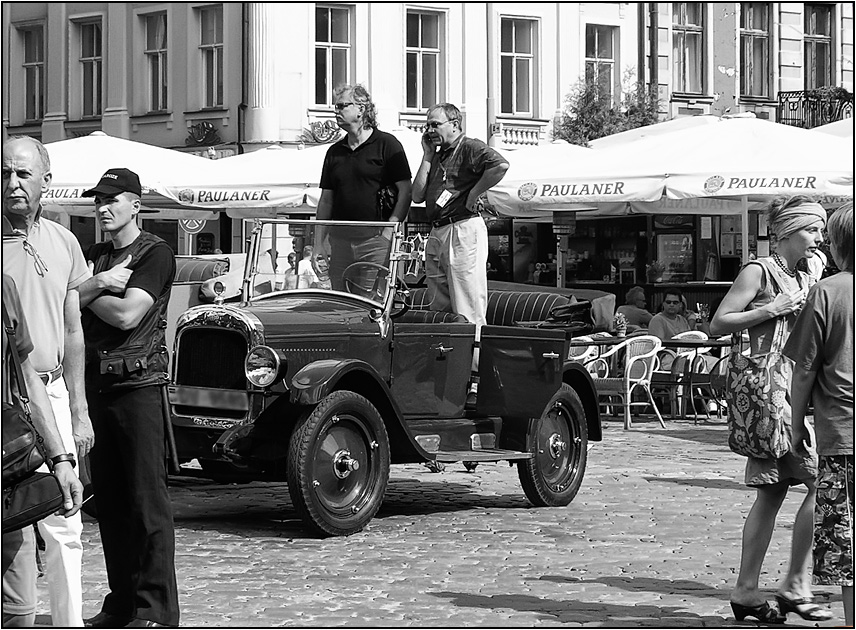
x,y
840,128
276,178
651,131
77,164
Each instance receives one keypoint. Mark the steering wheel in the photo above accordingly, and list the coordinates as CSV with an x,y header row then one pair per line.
x,y
352,275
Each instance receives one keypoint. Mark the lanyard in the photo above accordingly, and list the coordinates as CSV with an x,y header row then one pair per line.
x,y
451,159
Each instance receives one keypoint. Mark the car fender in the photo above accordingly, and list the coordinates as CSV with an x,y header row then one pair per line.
x,y
576,375
316,380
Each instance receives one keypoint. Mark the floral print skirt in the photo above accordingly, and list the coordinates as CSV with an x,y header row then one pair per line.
x,y
833,522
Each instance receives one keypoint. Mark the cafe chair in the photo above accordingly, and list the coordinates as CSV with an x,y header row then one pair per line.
x,y
582,354
624,367
710,386
677,368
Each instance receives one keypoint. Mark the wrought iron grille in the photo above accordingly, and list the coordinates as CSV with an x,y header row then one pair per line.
x,y
211,357
812,108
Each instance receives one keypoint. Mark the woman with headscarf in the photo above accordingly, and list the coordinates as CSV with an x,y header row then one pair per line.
x,y
766,290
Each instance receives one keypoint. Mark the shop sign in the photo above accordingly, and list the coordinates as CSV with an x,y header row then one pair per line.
x,y
192,226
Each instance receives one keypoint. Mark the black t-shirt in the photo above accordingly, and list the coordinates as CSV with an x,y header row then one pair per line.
x,y
355,177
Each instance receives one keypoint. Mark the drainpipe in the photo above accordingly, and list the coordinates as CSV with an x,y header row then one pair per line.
x,y
492,129
653,46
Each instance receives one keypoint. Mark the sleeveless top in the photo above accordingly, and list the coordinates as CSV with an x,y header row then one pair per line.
x,y
761,335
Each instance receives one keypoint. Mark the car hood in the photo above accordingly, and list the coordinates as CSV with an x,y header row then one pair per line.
x,y
308,313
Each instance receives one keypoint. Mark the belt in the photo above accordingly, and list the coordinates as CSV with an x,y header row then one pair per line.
x,y
50,377
452,219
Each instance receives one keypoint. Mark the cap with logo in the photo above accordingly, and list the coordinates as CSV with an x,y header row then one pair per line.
x,y
115,181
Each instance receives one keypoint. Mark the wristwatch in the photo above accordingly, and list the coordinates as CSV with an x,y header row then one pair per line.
x,y
63,457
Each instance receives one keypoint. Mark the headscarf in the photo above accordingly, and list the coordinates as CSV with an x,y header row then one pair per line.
x,y
796,218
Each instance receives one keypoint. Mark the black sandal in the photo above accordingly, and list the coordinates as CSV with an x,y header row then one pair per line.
x,y
763,613
804,607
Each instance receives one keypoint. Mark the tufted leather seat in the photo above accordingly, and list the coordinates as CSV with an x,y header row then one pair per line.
x,y
419,316
504,308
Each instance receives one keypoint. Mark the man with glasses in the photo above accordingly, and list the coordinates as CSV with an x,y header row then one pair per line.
x,y
365,177
47,265
454,172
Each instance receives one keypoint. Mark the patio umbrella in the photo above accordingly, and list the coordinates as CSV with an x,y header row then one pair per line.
x,y
277,177
78,163
840,129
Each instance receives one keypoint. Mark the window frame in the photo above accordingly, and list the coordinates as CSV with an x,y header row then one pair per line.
x,y
329,46
161,57
212,98
531,58
749,34
36,100
96,61
597,61
811,41
684,30
421,52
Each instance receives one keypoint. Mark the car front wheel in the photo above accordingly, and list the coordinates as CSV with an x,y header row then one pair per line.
x,y
338,464
559,442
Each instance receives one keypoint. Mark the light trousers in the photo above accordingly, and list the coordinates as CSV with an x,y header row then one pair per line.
x,y
63,557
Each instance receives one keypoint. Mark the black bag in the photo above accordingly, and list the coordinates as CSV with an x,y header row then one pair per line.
x,y
386,200
28,496
575,317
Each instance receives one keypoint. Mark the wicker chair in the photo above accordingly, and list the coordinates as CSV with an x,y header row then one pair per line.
x,y
637,357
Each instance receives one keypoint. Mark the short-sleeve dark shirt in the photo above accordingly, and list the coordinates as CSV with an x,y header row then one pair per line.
x,y
457,169
356,176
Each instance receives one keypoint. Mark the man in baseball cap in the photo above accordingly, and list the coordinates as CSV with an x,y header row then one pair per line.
x,y
115,181
124,310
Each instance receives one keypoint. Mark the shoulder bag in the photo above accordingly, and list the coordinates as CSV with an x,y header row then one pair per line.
x,y
28,496
758,396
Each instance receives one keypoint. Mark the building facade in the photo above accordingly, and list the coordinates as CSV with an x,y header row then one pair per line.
x,y
224,78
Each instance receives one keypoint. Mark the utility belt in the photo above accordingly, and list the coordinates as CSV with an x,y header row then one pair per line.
x,y
453,219
51,376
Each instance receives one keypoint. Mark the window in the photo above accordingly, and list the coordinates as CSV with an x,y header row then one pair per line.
x,y
90,68
818,46
517,71
688,47
423,59
755,49
332,51
211,47
34,73
156,61
600,58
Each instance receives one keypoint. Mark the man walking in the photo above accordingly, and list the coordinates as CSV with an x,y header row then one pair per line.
x,y
47,265
454,172
124,323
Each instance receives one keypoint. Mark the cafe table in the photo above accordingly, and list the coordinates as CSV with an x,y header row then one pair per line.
x,y
696,345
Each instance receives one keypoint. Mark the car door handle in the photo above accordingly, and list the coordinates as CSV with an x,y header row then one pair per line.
x,y
550,355
443,350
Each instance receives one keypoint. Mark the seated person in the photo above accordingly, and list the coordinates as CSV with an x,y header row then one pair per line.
x,y
634,309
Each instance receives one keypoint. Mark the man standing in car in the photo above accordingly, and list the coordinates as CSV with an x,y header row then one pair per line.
x,y
454,172
127,366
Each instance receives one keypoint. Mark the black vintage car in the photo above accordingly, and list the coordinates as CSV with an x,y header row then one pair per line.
x,y
327,387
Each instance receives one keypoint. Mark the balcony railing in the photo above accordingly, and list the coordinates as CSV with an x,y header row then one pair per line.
x,y
812,108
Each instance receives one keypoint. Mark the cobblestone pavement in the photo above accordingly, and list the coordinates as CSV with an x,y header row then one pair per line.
x,y
652,539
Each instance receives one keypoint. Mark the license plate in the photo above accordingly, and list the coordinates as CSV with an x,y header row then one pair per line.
x,y
204,397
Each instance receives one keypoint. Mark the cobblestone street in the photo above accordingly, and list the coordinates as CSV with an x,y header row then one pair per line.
x,y
652,539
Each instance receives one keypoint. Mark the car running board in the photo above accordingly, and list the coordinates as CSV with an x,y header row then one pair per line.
x,y
481,455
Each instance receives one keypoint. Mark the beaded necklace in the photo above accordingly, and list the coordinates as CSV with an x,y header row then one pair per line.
x,y
783,266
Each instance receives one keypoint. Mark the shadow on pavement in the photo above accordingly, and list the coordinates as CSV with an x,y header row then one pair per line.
x,y
648,585
701,482
703,435
575,611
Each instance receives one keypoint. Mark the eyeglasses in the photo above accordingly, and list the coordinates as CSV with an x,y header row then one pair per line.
x,y
41,267
340,106
433,124
671,301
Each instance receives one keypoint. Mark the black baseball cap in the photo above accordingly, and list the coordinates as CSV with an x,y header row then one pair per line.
x,y
115,181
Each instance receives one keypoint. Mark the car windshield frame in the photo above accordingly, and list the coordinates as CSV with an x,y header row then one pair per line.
x,y
374,246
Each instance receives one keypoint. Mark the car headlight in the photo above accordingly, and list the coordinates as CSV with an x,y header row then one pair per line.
x,y
262,366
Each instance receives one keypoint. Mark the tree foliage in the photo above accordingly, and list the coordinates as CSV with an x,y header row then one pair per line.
x,y
589,112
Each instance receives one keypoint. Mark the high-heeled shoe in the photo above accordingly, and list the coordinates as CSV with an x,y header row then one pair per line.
x,y
804,607
763,613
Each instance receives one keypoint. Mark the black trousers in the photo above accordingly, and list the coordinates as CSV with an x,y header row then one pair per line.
x,y
129,474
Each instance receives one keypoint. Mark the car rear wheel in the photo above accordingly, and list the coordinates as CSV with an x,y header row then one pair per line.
x,y
559,441
338,464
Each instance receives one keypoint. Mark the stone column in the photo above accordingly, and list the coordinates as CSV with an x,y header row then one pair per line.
x,y
115,121
262,117
56,78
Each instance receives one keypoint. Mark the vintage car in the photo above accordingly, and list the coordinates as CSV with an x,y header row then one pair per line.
x,y
327,384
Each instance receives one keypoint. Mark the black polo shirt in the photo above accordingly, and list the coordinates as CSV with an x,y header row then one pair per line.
x,y
355,177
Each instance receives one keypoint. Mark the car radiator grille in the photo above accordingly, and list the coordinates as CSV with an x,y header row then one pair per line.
x,y
211,357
